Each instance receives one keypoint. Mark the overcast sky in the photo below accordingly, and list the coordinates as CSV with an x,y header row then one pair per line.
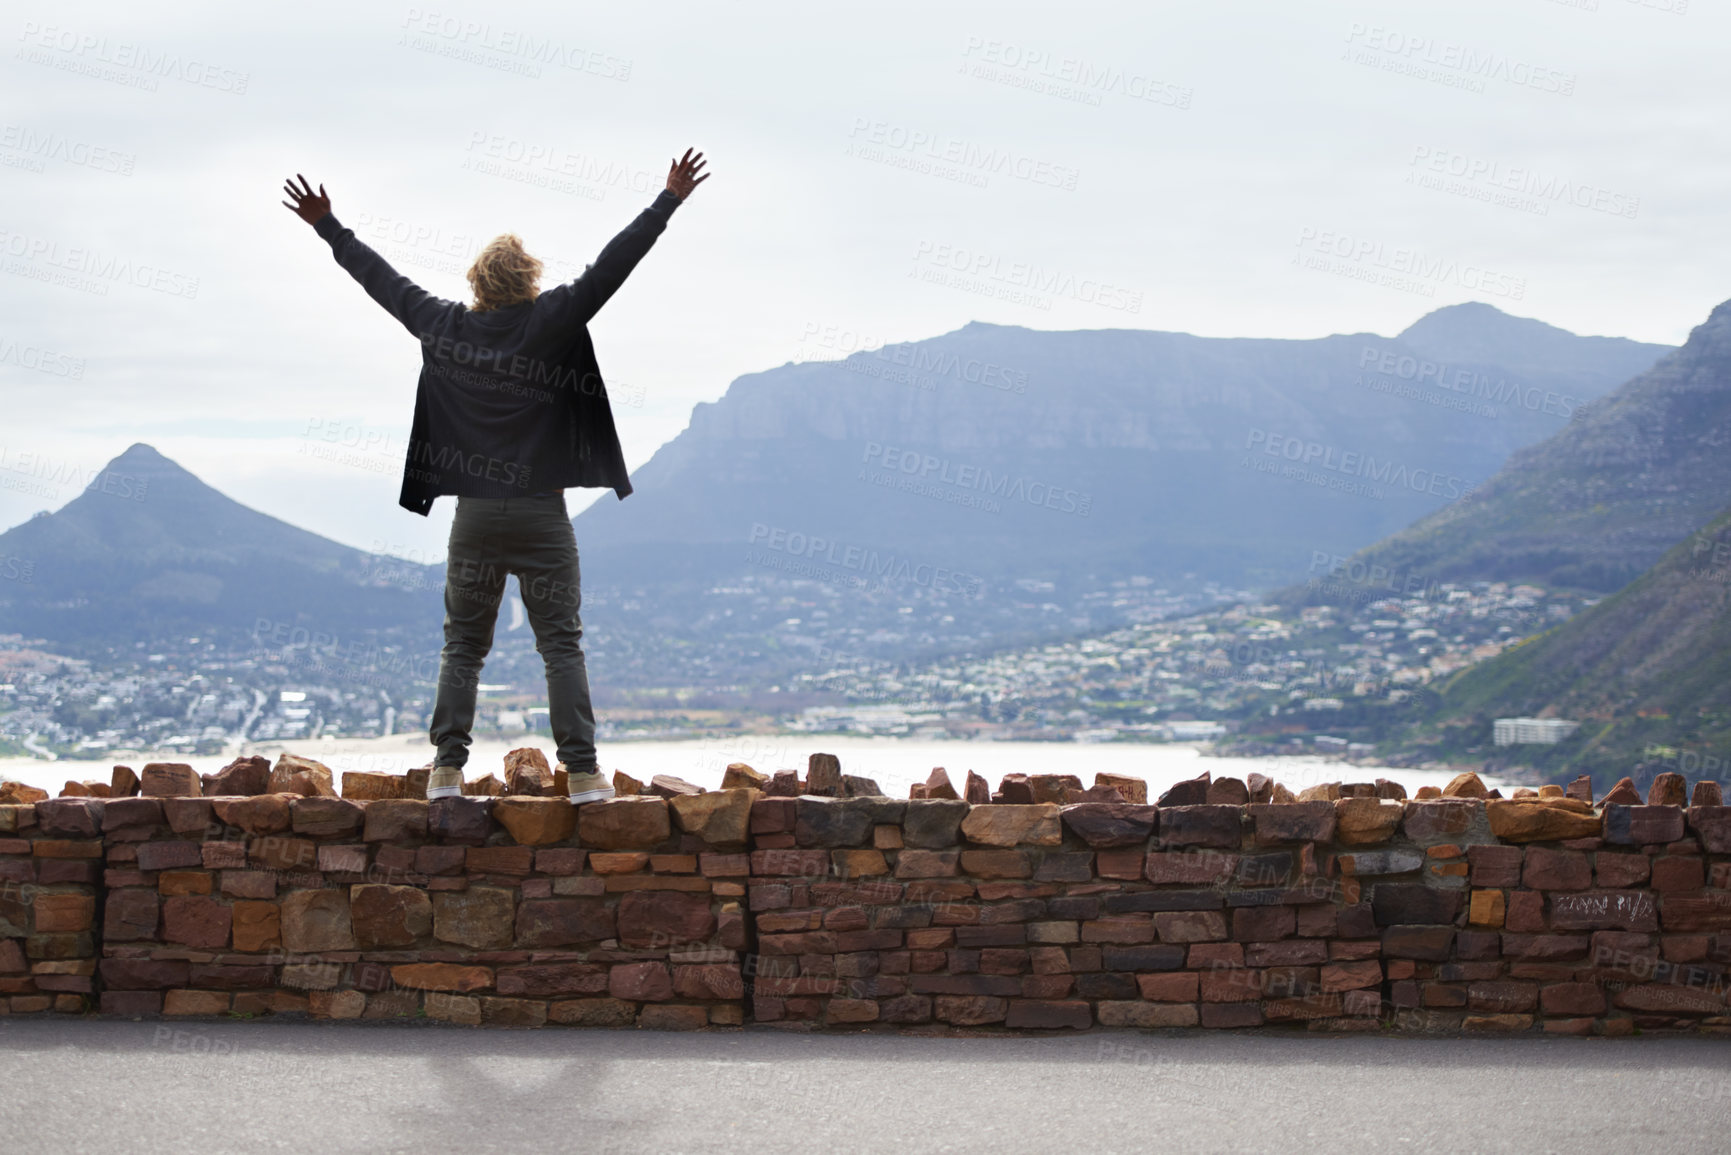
x,y
881,172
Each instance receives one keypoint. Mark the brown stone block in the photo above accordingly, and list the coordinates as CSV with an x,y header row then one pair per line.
x,y
196,921
325,817
170,780
63,913
563,922
171,882
1514,821
544,821
624,823
196,1002
442,977
257,926
1168,987
316,920
1010,825
400,820
1366,821
481,917
295,775
389,916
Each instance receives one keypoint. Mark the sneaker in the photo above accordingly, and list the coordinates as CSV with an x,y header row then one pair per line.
x,y
445,782
588,787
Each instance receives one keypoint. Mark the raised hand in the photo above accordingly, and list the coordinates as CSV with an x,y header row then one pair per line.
x,y
310,206
682,175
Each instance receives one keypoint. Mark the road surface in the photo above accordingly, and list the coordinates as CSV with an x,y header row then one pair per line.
x,y
106,1087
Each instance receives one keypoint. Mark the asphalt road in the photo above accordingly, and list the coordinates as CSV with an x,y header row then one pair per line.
x,y
106,1087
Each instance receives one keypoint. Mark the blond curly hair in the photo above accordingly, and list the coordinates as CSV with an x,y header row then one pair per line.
x,y
504,274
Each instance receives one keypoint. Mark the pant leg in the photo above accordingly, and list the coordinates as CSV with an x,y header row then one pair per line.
x,y
543,555
474,586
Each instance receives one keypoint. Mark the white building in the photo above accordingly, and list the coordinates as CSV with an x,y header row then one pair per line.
x,y
1522,731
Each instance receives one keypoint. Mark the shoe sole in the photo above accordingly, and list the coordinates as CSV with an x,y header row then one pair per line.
x,y
444,792
600,795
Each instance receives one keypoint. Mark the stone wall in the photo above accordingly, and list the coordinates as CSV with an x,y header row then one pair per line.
x,y
50,905
931,914
516,911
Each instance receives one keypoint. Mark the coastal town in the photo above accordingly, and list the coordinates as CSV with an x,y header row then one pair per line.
x,y
1309,678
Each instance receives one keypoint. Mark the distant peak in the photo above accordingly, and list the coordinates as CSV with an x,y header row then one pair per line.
x,y
145,460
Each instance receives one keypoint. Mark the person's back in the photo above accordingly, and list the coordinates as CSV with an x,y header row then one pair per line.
x,y
510,411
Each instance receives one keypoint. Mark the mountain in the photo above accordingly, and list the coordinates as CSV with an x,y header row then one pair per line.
x,y
1053,456
1647,671
150,552
1600,502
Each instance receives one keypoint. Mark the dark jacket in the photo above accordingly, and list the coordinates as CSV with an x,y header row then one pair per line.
x,y
510,402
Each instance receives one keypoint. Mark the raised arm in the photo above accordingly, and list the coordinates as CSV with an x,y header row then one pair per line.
x,y
583,297
412,306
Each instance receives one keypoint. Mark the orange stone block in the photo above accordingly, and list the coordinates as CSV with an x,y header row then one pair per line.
x,y
618,862
442,976
183,882
63,913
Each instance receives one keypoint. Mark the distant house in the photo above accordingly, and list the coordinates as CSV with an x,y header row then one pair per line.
x,y
1526,731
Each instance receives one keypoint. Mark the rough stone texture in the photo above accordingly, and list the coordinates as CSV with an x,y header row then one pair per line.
x,y
248,775
385,916
544,821
1007,825
481,917
527,774
823,776
662,918
1220,827
1538,822
1668,789
365,786
1104,825
296,775
722,819
1293,822
1134,790
169,780
397,820
739,775
938,785
563,922
1366,821
316,920
624,823
1191,792
325,817
935,823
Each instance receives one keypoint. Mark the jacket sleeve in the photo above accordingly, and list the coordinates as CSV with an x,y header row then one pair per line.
x,y
411,305
581,299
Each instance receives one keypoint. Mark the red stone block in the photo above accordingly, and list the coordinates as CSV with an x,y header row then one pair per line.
x,y
1621,870
1263,923
1170,987
1052,1015
1227,1016
660,918
510,860
1122,864
1495,866
715,981
196,921
1526,911
1548,869
1232,985
1215,954
641,982
1572,998
1047,986
1675,873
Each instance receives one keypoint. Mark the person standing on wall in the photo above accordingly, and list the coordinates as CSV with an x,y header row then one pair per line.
x,y
510,411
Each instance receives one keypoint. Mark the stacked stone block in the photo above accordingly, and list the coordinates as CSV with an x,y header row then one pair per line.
x,y
514,911
50,897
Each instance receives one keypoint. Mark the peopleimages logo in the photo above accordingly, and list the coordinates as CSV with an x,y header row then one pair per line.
x,y
864,560
1395,363
1351,463
1008,487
